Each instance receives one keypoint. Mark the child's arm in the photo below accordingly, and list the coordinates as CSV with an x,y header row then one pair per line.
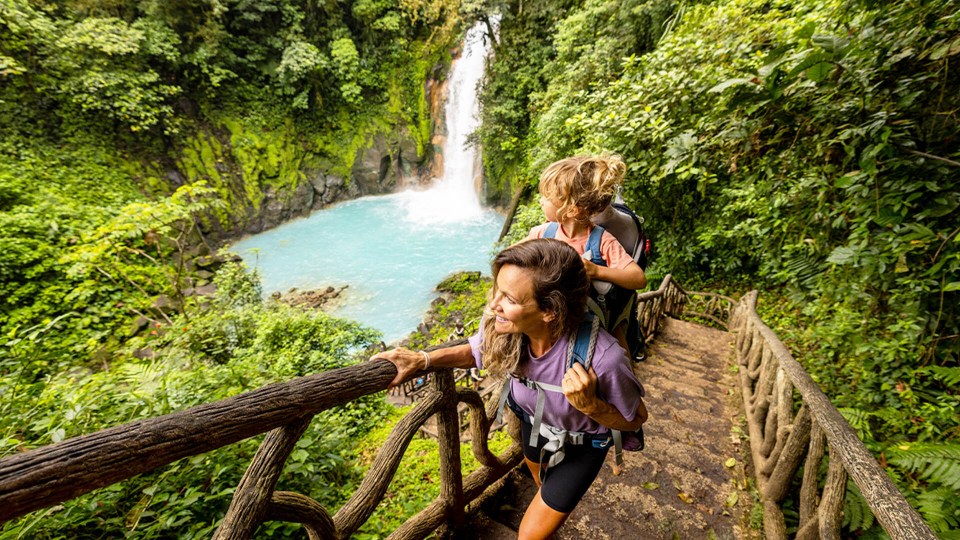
x,y
630,277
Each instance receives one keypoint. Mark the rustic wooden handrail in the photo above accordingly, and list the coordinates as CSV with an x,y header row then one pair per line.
x,y
668,299
45,476
711,307
781,441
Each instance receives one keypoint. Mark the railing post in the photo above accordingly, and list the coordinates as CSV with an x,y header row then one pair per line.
x,y
252,497
448,435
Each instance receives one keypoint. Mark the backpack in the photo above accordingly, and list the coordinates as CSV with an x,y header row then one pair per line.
x,y
641,247
579,350
638,245
612,303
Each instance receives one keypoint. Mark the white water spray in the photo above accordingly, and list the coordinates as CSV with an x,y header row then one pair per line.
x,y
453,198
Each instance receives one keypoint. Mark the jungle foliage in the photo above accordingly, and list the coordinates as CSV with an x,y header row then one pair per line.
x,y
107,109
806,148
129,130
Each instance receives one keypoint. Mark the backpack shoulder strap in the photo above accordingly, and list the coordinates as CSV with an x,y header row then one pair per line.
x,y
593,245
551,231
581,348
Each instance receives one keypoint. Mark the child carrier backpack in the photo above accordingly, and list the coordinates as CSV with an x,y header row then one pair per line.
x,y
612,303
627,227
632,238
580,349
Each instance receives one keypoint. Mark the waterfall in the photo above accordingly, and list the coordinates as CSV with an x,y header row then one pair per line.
x,y
392,250
453,197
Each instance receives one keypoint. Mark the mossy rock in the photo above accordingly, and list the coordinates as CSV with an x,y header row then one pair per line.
x,y
459,282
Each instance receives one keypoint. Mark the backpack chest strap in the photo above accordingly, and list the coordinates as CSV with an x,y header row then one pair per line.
x,y
556,437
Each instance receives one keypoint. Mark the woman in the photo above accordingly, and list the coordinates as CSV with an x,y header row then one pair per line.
x,y
537,303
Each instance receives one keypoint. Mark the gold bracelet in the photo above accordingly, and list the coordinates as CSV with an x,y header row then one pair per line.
x,y
426,359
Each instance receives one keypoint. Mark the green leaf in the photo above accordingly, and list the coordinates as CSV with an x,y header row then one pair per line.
x,y
832,44
732,499
731,82
888,216
847,180
841,255
818,71
807,30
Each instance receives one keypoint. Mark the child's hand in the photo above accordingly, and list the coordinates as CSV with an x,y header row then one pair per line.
x,y
590,268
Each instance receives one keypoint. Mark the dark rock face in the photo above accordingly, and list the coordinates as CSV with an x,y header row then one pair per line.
x,y
390,161
328,189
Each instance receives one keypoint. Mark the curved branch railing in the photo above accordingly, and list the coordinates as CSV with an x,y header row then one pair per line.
x,y
781,442
59,472
668,299
713,308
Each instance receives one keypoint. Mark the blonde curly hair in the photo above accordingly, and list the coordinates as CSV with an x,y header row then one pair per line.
x,y
586,184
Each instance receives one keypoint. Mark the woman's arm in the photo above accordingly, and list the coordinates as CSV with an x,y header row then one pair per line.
x,y
580,388
409,362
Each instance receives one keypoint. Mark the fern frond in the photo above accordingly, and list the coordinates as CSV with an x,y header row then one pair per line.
x,y
806,268
888,415
858,420
949,376
856,513
939,509
937,463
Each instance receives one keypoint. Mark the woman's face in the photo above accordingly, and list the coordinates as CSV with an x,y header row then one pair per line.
x,y
515,306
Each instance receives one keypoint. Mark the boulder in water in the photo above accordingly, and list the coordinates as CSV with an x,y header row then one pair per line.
x,y
322,299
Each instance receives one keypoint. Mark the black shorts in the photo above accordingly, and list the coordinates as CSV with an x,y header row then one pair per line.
x,y
564,484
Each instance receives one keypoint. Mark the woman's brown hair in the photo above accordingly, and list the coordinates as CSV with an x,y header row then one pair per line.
x,y
560,286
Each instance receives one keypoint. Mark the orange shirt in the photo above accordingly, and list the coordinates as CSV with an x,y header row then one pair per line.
x,y
610,248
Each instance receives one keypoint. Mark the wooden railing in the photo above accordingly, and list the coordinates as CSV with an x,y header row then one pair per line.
x,y
782,439
652,306
711,308
45,476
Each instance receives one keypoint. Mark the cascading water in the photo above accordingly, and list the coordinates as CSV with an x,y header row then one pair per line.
x,y
392,250
453,197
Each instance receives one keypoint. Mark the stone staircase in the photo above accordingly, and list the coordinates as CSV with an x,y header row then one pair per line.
x,y
689,482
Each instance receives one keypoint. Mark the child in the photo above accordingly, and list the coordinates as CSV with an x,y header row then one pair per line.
x,y
571,191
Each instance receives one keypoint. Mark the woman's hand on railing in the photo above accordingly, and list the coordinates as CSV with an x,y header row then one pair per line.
x,y
407,362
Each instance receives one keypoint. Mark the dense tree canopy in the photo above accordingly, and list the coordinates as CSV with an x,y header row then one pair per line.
x,y
808,148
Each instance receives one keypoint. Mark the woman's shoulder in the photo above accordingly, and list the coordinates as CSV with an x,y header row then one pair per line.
x,y
608,354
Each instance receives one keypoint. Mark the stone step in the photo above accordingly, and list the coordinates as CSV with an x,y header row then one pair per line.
x,y
480,526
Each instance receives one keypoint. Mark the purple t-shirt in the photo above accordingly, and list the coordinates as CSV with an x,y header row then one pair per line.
x,y
616,383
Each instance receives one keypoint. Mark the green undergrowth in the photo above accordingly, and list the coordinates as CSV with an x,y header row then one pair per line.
x,y
417,481
235,345
462,297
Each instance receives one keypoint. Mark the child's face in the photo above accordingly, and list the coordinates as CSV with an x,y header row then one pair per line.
x,y
549,208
